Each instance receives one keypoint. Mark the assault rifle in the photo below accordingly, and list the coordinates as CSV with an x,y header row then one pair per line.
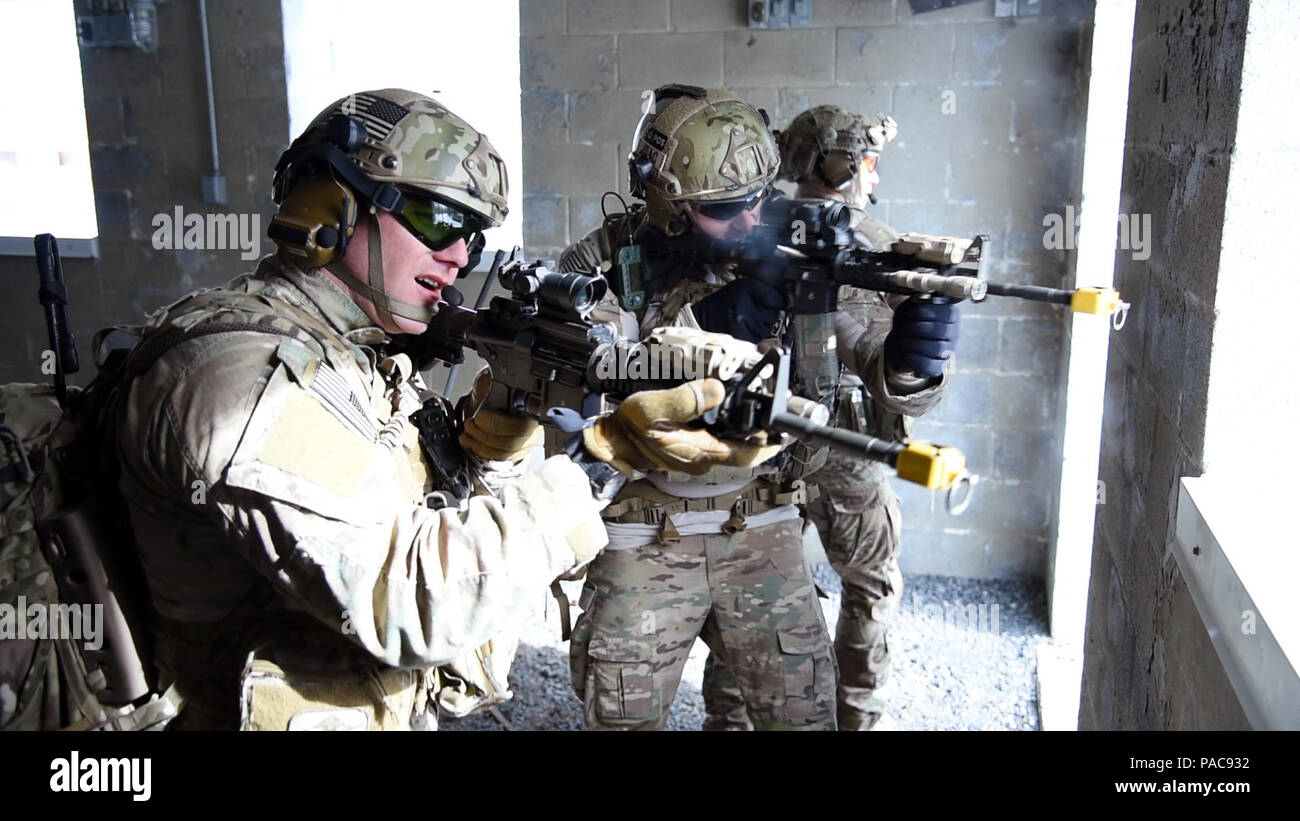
x,y
806,246
549,360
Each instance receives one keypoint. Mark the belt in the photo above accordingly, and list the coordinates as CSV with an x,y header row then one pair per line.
x,y
643,503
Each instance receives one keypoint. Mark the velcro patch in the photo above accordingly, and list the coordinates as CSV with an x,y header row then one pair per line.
x,y
308,441
656,138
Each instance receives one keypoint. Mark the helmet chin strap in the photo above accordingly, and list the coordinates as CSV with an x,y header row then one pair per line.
x,y
376,291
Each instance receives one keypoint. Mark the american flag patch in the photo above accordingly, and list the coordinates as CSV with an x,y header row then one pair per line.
x,y
378,115
331,389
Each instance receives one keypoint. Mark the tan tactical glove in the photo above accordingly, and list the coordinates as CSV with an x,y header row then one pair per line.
x,y
646,433
496,436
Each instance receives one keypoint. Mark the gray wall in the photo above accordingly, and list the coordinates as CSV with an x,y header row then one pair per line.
x,y
147,122
1148,660
1008,155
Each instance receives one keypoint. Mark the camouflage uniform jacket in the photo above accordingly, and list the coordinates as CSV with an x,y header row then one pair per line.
x,y
273,476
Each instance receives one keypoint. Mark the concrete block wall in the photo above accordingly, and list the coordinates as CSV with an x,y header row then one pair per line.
x,y
1003,152
1148,660
147,122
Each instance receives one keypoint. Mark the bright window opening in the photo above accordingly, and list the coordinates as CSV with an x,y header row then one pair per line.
x,y
44,153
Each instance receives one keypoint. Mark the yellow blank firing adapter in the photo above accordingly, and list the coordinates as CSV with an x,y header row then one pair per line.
x,y
938,468
1101,301
935,467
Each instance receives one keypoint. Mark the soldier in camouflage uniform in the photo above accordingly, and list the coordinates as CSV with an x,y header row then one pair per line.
x,y
275,481
831,153
718,553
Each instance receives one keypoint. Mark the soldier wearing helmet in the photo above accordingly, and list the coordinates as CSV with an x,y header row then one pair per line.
x,y
718,554
275,479
831,153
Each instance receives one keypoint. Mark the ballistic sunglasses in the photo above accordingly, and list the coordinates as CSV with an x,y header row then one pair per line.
x,y
730,209
437,224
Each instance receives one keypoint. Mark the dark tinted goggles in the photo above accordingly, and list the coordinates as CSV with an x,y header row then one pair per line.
x,y
730,209
439,225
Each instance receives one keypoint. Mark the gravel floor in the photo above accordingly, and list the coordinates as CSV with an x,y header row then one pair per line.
x,y
963,650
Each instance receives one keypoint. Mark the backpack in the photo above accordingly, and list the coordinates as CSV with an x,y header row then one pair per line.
x,y
69,581
74,641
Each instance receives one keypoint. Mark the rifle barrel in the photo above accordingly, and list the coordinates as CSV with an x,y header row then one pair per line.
x,y
856,444
1032,292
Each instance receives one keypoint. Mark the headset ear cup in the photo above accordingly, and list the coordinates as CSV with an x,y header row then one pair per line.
x,y
315,221
838,169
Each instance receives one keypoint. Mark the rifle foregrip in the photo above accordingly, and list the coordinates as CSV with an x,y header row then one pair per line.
x,y
914,282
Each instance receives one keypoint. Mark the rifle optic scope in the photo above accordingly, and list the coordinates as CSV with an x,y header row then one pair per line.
x,y
821,219
572,292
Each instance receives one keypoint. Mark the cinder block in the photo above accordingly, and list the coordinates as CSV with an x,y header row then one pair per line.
x,y
567,168
968,13
915,171
1114,497
1030,457
254,121
105,120
604,117
832,13
767,99
544,114
1020,174
1032,346
976,442
977,346
1013,53
546,221
651,60
926,216
1194,367
1166,350
248,21
120,167
568,63
1162,478
935,552
585,215
113,212
791,57
249,71
538,17
1001,508
910,55
604,17
1196,104
106,72
1150,179
864,100
1141,406
1017,557
692,15
1044,112
1199,205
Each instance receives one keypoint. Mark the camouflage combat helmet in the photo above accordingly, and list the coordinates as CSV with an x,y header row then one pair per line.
x,y
827,142
396,151
414,142
702,145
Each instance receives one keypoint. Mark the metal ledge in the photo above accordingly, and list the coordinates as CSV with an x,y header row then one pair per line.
x,y
25,247
1240,573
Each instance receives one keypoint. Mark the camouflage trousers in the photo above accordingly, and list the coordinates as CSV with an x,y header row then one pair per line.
x,y
644,608
858,518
